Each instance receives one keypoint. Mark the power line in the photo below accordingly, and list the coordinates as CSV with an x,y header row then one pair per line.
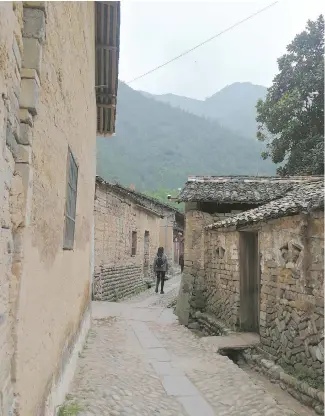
x,y
206,41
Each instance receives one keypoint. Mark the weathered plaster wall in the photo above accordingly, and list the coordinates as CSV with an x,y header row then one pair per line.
x,y
60,111
10,64
117,272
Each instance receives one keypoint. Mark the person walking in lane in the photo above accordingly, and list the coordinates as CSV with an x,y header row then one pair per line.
x,y
160,267
181,262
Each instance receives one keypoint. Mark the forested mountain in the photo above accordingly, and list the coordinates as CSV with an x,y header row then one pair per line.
x,y
158,146
233,106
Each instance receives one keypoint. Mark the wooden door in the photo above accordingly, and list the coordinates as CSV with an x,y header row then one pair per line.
x,y
249,282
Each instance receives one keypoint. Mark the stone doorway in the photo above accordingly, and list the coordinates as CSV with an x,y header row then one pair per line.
x,y
249,281
146,255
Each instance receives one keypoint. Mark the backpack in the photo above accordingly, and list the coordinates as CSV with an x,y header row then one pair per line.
x,y
160,262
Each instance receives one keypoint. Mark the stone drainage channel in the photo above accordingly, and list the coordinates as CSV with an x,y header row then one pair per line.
x,y
299,396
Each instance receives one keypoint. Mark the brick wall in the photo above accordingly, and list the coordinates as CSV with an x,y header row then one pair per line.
x,y
118,272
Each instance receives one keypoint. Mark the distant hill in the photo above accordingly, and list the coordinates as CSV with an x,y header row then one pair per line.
x,y
233,106
158,146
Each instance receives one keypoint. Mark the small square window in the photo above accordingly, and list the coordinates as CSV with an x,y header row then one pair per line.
x,y
71,201
134,243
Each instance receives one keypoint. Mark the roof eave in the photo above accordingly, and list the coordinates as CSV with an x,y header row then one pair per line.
x,y
107,43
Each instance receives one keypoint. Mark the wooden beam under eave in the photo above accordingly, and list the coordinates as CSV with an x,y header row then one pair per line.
x,y
106,105
112,120
113,65
106,47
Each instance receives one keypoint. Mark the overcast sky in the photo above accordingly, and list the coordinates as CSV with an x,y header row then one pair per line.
x,y
154,32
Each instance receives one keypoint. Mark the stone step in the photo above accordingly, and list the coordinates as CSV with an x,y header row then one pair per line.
x,y
235,341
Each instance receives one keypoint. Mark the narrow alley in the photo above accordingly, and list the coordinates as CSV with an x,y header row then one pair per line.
x,y
139,361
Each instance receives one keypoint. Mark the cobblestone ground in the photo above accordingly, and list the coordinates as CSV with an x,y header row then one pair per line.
x,y
139,361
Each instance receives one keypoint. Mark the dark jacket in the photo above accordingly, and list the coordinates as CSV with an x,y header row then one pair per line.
x,y
181,260
164,267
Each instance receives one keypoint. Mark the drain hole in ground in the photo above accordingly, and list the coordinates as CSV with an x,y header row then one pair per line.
x,y
234,355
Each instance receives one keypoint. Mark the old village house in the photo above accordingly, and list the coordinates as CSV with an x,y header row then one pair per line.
x,y
129,227
52,57
254,256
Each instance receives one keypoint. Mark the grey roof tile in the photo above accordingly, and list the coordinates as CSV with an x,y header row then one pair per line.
x,y
303,198
239,189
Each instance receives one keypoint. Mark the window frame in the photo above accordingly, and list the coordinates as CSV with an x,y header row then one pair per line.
x,y
70,201
134,243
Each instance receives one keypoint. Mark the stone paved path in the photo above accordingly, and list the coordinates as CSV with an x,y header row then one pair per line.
x,y
138,361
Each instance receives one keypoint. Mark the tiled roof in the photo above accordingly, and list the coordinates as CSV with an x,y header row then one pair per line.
x,y
239,189
304,198
144,200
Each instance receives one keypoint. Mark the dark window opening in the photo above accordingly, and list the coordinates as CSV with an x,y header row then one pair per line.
x,y
71,201
134,243
213,208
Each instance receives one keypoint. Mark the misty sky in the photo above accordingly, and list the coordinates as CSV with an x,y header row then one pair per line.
x,y
154,32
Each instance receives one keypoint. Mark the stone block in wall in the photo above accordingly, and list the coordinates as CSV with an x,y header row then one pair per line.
x,y
32,54
35,5
25,136
16,51
25,171
26,117
34,24
11,141
24,154
30,73
29,95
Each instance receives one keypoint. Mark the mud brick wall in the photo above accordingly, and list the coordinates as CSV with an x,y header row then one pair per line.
x,y
113,283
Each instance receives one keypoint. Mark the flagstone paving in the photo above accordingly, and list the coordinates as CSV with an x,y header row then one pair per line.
x,y
139,361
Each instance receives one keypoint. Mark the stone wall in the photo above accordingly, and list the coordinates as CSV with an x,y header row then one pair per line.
x,y
292,293
10,66
194,295
291,290
191,294
117,271
221,283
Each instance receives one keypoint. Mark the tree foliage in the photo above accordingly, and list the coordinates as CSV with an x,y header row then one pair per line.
x,y
291,118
